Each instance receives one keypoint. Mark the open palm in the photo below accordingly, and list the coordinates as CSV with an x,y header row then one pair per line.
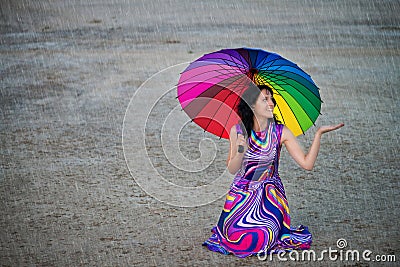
x,y
329,128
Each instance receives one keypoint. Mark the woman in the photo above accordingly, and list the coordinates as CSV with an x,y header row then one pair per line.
x,y
255,218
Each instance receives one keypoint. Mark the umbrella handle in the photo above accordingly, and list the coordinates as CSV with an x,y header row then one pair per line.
x,y
240,147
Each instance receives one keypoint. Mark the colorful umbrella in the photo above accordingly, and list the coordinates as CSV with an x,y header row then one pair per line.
x,y
210,88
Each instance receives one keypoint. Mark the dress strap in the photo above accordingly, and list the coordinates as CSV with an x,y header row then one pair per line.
x,y
279,128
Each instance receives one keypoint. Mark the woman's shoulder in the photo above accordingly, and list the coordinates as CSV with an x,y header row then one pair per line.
x,y
286,133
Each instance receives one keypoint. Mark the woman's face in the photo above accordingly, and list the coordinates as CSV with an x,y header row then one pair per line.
x,y
263,107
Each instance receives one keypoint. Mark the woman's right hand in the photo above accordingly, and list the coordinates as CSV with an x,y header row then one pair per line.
x,y
234,160
240,141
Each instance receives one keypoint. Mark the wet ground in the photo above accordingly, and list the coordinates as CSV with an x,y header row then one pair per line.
x,y
69,70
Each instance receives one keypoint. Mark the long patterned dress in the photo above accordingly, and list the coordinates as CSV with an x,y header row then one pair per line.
x,y
255,218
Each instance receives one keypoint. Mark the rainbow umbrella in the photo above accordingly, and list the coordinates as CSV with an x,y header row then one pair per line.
x,y
210,88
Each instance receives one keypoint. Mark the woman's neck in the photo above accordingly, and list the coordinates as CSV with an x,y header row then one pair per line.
x,y
259,124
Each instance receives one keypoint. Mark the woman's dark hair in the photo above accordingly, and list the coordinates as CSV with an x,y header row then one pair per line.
x,y
248,99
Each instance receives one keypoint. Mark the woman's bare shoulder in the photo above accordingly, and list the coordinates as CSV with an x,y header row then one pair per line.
x,y
286,133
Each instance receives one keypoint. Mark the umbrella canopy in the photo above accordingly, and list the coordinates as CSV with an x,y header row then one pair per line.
x,y
209,89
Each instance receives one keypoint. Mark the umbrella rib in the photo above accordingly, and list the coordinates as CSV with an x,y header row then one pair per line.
x,y
244,65
219,108
299,91
197,83
281,113
257,52
229,113
279,58
238,66
221,66
298,68
230,70
244,62
286,71
271,61
265,58
309,101
292,112
233,61
240,58
301,106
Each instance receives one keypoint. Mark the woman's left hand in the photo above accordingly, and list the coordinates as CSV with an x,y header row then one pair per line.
x,y
329,128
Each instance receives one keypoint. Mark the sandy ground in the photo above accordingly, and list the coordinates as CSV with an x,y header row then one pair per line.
x,y
69,70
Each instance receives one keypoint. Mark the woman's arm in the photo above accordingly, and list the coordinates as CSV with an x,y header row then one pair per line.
x,y
235,158
306,161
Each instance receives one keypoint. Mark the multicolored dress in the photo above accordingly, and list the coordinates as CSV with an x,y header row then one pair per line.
x,y
255,218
